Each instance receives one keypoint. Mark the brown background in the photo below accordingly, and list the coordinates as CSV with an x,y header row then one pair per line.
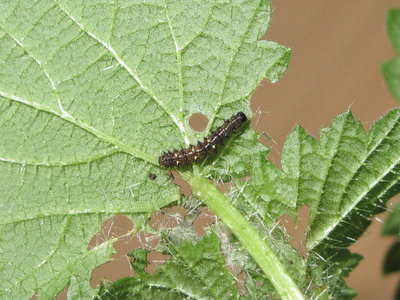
x,y
338,47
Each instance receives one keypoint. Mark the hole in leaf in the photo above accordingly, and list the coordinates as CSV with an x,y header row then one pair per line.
x,y
300,234
203,221
62,295
198,122
120,266
155,259
297,231
185,187
288,224
112,228
168,217
240,283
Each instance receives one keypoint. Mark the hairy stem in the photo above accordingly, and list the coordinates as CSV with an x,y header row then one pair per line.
x,y
251,240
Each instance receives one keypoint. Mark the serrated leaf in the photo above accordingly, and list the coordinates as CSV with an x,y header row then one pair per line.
x,y
89,92
252,199
344,178
195,271
51,239
327,274
375,179
390,68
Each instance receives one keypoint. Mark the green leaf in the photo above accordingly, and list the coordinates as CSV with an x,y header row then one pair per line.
x,y
327,274
392,259
236,158
50,214
391,74
91,93
392,227
393,27
252,198
351,175
43,255
391,68
344,178
195,271
370,176
392,223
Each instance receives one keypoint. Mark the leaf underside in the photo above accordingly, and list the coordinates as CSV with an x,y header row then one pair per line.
x,y
91,93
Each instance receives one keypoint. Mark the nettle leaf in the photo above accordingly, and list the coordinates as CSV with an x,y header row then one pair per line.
x,y
346,174
197,271
344,178
91,94
391,68
217,255
368,169
252,199
351,175
327,274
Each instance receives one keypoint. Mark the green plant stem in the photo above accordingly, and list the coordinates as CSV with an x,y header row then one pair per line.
x,y
252,241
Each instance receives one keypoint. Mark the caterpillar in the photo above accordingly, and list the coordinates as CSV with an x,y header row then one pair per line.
x,y
196,153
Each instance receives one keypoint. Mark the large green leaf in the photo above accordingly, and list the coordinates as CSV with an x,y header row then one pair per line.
x,y
91,93
344,178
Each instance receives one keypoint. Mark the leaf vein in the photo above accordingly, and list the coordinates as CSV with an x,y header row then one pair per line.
x,y
221,95
130,71
372,185
101,135
17,283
